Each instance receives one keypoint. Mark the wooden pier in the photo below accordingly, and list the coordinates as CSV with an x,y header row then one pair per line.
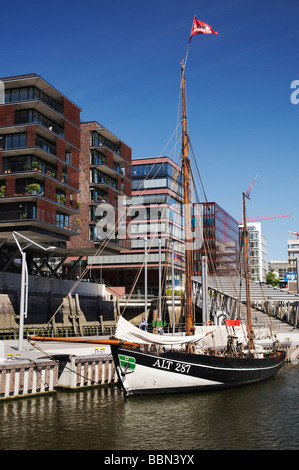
x,y
23,378
20,379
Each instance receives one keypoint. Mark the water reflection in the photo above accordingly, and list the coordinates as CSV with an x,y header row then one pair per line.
x,y
260,416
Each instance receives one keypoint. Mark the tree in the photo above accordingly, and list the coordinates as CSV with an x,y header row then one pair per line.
x,y
272,278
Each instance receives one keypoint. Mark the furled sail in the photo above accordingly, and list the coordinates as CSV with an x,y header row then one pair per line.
x,y
125,331
221,332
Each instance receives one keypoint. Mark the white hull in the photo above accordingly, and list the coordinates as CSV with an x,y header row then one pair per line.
x,y
172,372
157,380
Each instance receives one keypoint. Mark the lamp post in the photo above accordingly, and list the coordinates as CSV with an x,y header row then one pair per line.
x,y
172,284
24,282
145,278
160,282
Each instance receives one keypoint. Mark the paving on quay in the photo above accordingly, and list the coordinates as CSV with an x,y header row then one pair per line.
x,y
34,350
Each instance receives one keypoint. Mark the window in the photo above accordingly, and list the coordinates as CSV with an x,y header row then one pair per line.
x,y
19,94
97,158
15,140
92,232
98,177
60,197
45,145
62,220
96,195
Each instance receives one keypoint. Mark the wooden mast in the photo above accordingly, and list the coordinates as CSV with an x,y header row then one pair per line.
x,y
187,212
246,263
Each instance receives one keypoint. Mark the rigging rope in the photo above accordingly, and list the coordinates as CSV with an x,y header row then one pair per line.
x,y
112,231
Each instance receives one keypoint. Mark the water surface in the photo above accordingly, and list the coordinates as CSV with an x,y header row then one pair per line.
x,y
262,416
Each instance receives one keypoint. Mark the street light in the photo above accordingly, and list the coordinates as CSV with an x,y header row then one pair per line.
x,y
24,282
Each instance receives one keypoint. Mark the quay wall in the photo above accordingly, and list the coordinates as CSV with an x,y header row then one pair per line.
x,y
46,296
39,283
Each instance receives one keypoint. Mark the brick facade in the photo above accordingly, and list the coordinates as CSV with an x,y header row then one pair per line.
x,y
51,136
87,205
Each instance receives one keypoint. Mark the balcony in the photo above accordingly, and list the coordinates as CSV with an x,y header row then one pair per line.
x,y
36,172
27,164
26,217
45,145
98,141
30,194
31,93
102,180
31,116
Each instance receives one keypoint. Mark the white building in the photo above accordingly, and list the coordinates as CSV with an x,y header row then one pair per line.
x,y
257,252
280,267
293,254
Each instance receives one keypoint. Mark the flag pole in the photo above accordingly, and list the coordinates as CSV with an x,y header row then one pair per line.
x,y
188,45
187,54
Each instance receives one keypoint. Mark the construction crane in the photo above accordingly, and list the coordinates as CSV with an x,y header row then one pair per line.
x,y
256,219
294,233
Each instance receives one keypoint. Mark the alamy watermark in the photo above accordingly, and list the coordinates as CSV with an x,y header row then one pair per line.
x,y
134,220
295,95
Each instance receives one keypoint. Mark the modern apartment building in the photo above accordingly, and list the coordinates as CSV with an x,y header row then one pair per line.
x,y
39,161
105,175
293,254
258,263
157,187
280,267
220,242
155,211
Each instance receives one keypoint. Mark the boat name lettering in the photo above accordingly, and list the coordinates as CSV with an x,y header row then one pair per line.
x,y
181,367
163,364
169,365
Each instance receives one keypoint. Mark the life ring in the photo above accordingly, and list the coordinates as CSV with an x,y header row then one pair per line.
x,y
210,323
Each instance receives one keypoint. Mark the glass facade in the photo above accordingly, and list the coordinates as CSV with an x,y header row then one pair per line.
x,y
156,215
156,170
155,176
97,158
220,242
168,220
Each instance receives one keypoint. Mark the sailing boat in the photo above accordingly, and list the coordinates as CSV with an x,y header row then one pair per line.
x,y
148,363
175,364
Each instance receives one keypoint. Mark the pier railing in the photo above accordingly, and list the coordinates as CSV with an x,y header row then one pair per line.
x,y
89,331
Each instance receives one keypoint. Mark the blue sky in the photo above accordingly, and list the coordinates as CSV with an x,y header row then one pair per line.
x,y
120,62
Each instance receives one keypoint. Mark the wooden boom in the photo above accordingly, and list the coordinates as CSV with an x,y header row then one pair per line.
x,y
85,340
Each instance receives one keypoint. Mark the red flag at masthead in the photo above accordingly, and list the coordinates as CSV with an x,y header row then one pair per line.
x,y
198,27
